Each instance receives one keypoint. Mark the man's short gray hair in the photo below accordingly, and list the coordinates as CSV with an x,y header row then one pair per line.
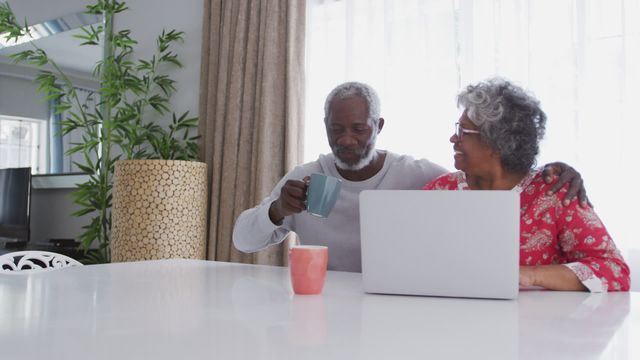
x,y
510,120
354,88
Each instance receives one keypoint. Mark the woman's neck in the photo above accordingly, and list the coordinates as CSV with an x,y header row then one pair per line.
x,y
498,179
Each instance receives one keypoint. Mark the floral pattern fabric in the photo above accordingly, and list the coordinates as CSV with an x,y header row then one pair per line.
x,y
551,233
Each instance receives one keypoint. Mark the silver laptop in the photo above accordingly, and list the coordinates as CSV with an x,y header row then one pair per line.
x,y
440,243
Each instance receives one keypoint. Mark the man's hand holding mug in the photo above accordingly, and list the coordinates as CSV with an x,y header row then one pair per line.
x,y
317,194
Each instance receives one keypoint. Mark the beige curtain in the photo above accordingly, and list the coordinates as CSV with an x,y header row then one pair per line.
x,y
251,110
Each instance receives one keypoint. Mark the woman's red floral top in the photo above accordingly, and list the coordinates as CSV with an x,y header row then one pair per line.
x,y
551,233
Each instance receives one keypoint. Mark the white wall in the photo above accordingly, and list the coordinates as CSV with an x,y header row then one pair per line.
x,y
18,98
146,19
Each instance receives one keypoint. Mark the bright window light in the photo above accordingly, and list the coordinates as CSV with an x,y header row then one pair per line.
x,y
580,58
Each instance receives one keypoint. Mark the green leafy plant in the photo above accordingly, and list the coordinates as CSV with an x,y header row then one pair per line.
x,y
120,124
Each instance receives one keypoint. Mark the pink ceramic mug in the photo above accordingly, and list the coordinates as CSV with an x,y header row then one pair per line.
x,y
308,268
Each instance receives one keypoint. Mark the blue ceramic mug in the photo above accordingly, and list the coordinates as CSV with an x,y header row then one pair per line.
x,y
322,194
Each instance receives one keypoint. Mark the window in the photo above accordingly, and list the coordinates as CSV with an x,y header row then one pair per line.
x,y
580,58
23,143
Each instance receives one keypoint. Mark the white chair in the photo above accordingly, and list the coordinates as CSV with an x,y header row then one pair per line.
x,y
34,261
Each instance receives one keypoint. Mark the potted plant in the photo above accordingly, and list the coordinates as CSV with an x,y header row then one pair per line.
x,y
121,124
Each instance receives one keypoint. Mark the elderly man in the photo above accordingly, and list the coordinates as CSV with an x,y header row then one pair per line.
x,y
352,119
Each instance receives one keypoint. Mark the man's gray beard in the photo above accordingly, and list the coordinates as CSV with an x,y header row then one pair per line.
x,y
360,164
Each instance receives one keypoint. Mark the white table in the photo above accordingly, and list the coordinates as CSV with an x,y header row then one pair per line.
x,y
183,309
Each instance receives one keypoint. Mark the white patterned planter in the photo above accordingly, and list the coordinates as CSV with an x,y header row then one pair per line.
x,y
159,210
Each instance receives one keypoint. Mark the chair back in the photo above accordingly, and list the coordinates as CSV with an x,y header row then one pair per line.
x,y
34,261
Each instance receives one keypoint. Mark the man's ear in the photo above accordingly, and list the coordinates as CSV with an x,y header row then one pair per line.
x,y
380,124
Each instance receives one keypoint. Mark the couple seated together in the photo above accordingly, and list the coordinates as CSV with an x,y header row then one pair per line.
x,y
563,243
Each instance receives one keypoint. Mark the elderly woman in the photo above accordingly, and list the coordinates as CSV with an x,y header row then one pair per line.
x,y
495,144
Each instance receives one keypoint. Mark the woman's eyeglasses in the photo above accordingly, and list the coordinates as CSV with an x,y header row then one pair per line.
x,y
460,131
